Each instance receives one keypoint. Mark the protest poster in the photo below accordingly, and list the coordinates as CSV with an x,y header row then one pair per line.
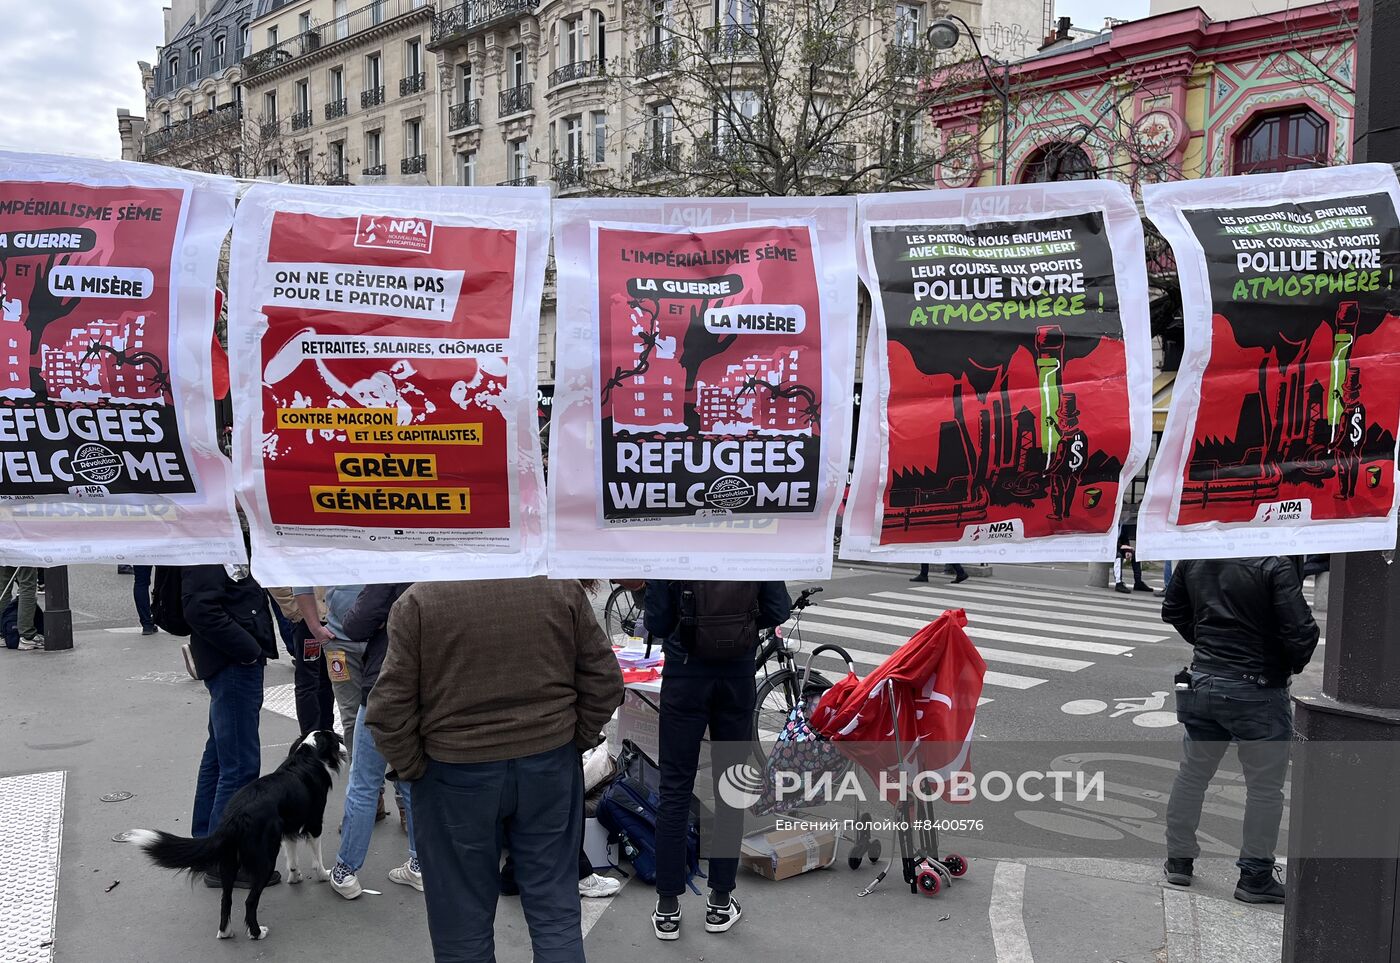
x,y
1281,438
108,449
383,347
701,419
1011,364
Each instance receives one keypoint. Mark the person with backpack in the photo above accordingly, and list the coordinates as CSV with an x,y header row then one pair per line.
x,y
231,640
711,643
489,692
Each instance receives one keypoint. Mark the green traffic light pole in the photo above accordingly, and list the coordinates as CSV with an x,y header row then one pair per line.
x,y
1341,907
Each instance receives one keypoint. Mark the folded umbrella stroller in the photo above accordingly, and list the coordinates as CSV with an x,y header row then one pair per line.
x,y
913,714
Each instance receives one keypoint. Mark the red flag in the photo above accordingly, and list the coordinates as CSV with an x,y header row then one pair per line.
x,y
935,680
218,356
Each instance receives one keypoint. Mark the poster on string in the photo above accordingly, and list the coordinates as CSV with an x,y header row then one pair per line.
x,y
701,419
108,450
1011,361
383,349
1281,438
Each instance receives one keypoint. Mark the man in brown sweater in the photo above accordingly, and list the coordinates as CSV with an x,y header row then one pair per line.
x,y
489,692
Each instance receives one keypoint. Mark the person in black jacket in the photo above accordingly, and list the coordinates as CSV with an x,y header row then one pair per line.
x,y
1251,630
698,694
231,640
367,621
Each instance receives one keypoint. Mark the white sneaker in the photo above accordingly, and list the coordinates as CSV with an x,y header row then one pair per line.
x,y
345,883
408,875
599,887
31,644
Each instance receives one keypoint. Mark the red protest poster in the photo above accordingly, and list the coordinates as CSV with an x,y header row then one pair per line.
x,y
86,402
710,367
383,368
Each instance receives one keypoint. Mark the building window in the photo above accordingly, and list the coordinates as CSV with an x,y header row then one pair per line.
x,y
517,67
600,136
272,36
600,36
303,94
374,72
466,169
337,84
519,159
245,40
270,168
374,155
908,18
413,137
196,58
220,48
270,105
663,126
571,41
1058,161
739,12
189,109
304,23
165,118
174,67
413,56
1291,140
465,83
337,159
213,103
573,141
304,167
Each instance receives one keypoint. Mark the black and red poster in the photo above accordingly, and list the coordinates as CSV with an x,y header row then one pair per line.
x,y
710,353
1008,418
1291,397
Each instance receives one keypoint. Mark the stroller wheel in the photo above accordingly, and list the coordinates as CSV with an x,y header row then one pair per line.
x,y
853,861
956,865
927,879
873,852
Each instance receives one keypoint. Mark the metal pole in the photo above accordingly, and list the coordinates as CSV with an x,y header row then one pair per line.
x,y
1005,126
58,618
1346,908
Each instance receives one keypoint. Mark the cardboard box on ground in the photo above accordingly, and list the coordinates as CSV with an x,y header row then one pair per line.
x,y
784,853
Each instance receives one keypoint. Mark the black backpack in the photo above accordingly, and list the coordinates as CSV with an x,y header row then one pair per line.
x,y
168,600
719,620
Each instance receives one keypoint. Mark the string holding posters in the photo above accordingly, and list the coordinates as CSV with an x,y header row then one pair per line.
x,y
1281,438
383,353
1011,360
703,401
107,445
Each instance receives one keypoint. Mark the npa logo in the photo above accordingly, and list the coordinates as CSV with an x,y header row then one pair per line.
x,y
993,532
395,233
1284,512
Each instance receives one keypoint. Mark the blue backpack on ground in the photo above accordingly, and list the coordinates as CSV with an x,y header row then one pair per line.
x,y
9,623
628,808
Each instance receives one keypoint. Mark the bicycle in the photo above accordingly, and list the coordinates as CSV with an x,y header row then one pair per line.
x,y
780,687
622,612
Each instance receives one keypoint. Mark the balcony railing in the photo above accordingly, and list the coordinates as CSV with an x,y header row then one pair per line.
x,y
910,60
378,170
167,83
413,83
517,100
835,159
465,114
828,51
725,151
303,119
527,181
338,180
337,108
462,19
372,97
308,42
580,70
269,127
570,173
657,58
655,160
734,40
200,125
416,164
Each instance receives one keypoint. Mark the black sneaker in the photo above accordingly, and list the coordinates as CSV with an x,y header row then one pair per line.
x,y
720,919
1179,871
919,578
242,881
1142,587
1120,587
149,630
666,926
1260,887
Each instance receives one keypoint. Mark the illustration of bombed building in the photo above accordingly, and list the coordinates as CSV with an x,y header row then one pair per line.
x,y
90,365
738,403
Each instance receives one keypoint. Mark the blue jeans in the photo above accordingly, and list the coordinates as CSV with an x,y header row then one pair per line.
x,y
1216,711
233,751
141,594
362,798
463,811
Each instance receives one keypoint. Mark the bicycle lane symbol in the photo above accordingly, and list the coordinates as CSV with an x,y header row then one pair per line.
x,y
1146,711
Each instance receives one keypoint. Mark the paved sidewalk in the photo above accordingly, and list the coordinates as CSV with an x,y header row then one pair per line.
x,y
117,714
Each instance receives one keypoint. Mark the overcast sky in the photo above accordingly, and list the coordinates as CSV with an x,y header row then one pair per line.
x,y
67,65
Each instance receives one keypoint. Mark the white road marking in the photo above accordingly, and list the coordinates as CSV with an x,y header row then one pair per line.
x,y
1094,628
1007,914
1001,679
836,609
991,655
1102,599
31,837
282,700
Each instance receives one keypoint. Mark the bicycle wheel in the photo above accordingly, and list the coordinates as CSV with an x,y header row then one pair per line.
x,y
620,614
777,695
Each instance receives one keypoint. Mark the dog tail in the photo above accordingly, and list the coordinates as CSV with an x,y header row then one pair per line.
x,y
181,852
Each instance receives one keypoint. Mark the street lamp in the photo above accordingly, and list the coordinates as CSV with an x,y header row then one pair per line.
x,y
944,34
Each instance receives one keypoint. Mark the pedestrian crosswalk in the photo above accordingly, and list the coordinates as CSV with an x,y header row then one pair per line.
x,y
1028,635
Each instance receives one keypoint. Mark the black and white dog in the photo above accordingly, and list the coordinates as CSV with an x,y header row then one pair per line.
x,y
281,809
